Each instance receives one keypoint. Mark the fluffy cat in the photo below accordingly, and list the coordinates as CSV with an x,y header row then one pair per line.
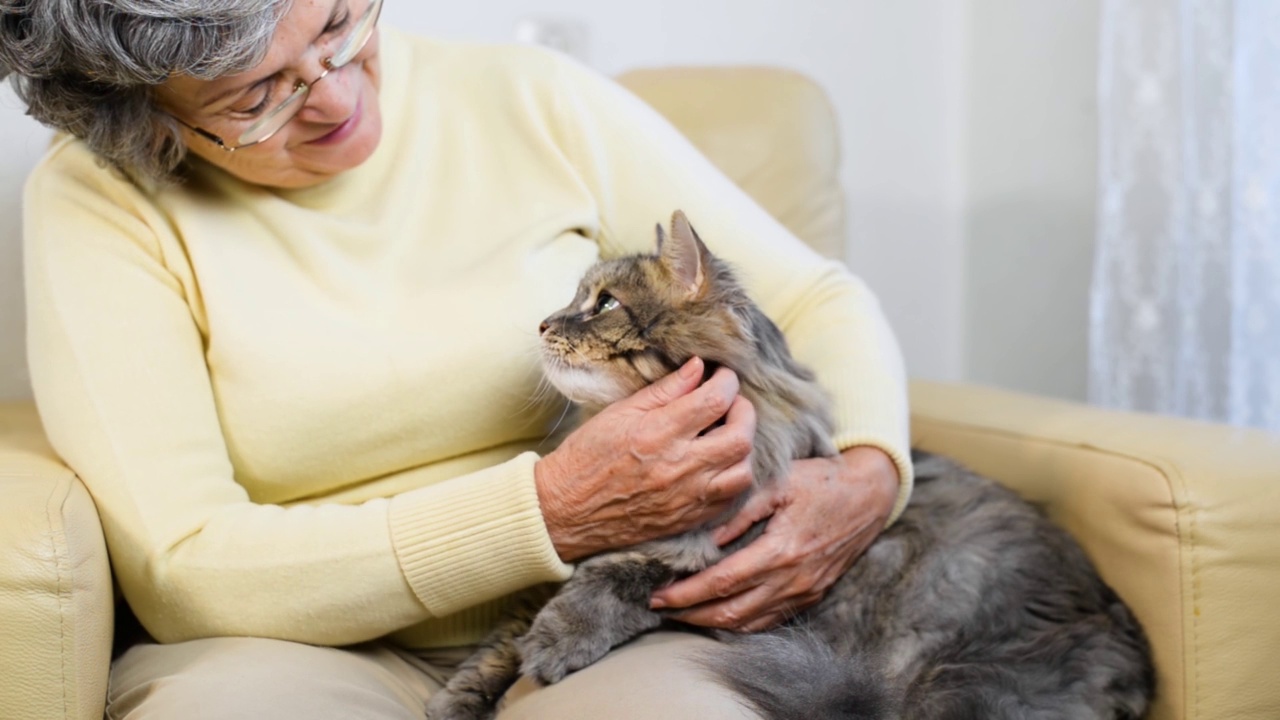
x,y
972,605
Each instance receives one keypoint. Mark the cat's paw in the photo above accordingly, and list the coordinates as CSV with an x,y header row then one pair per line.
x,y
449,705
551,652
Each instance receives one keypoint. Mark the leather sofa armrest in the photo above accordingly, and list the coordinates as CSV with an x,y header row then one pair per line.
x,y
56,595
1182,518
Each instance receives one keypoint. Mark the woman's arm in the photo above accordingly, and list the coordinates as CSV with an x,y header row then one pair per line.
x,y
644,468
820,520
119,371
639,169
824,515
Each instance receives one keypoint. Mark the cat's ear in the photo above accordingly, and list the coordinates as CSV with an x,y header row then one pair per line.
x,y
662,236
684,254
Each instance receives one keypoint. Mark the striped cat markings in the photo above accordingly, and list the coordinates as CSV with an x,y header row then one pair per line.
x,y
971,605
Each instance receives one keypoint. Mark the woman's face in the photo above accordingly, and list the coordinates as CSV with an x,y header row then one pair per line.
x,y
337,129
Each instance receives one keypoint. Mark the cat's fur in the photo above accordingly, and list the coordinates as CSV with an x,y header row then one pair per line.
x,y
971,605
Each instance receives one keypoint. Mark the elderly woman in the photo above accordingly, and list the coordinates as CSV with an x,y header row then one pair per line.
x,y
284,274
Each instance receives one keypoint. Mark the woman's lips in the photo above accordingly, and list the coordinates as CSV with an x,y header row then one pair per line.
x,y
343,131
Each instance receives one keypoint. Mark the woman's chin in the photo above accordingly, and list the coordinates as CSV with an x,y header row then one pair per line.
x,y
327,160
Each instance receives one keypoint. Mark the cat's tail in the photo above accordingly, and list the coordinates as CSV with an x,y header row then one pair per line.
x,y
789,674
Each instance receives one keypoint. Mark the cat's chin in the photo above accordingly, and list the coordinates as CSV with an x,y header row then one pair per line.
x,y
591,388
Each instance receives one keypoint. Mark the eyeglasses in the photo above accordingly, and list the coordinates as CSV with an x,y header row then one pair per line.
x,y
269,124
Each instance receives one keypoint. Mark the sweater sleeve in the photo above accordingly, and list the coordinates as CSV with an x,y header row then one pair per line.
x,y
123,389
640,169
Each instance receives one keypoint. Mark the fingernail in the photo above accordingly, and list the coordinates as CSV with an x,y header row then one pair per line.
x,y
657,603
690,368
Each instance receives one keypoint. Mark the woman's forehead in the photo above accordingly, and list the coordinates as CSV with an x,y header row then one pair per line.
x,y
297,30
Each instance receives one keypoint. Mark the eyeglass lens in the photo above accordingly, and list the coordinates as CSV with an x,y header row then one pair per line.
x,y
270,123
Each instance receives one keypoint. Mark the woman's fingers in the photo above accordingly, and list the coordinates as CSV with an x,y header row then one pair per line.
x,y
645,467
755,610
694,412
707,469
824,515
745,592
668,389
739,425
759,506
731,576
726,451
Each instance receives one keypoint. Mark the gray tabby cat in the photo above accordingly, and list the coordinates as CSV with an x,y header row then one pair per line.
x,y
972,605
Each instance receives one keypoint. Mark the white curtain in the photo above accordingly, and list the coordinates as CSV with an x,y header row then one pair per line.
x,y
1185,315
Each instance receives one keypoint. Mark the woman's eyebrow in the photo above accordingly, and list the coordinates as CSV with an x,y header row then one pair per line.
x,y
233,91
333,14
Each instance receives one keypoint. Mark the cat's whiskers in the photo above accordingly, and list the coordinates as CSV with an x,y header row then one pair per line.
x,y
544,390
563,414
547,387
586,361
542,394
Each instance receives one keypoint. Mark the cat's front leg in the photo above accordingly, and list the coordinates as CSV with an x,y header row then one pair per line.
x,y
474,690
604,604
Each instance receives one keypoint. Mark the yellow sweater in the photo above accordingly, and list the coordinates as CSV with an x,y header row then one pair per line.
x,y
309,414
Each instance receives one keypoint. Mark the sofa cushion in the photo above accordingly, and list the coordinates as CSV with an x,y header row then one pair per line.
x,y
56,595
1180,517
772,131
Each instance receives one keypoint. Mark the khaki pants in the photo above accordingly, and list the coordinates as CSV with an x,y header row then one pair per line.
x,y
234,678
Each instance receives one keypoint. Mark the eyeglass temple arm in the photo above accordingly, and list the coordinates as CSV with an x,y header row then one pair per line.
x,y
202,133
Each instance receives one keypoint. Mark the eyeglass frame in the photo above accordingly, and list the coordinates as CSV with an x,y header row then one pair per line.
x,y
375,8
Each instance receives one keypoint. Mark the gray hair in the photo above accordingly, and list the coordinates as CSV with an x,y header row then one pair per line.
x,y
90,67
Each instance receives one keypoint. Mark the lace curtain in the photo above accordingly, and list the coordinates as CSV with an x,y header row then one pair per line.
x,y
1185,315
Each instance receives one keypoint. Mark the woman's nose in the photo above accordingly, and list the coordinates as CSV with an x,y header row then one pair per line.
x,y
334,97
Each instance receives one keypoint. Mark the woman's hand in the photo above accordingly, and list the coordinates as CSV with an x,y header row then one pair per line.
x,y
820,519
643,468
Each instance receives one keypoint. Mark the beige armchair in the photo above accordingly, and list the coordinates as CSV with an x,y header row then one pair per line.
x,y
1181,517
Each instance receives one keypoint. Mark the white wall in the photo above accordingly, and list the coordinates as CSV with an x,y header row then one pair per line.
x,y
891,71
1030,192
21,142
915,84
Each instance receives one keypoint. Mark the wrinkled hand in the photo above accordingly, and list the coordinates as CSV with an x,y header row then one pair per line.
x,y
643,468
820,519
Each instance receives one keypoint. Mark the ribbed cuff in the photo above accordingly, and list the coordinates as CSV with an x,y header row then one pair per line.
x,y
466,627
474,538
906,471
861,420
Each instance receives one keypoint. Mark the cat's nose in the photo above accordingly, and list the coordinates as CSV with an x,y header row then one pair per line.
x,y
542,329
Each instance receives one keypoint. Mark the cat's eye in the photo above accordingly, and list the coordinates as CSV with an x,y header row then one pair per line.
x,y
605,302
